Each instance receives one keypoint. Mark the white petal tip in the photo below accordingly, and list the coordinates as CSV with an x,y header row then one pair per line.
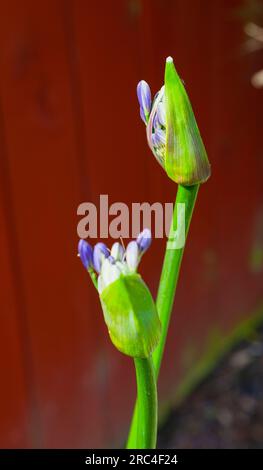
x,y
132,256
169,59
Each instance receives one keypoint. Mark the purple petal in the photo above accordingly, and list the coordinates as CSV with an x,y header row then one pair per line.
x,y
99,253
85,253
144,240
144,97
159,138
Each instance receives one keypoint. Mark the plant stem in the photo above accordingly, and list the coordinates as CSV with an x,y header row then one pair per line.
x,y
171,268
167,287
146,429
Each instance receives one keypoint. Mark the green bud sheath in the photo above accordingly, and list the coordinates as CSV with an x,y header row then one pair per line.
x,y
131,316
186,160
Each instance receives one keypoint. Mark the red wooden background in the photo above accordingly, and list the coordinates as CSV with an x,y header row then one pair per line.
x,y
70,131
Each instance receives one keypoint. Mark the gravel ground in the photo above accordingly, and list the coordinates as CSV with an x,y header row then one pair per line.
x,y
226,411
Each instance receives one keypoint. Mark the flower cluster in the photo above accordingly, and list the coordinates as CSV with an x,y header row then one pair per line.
x,y
153,115
110,264
128,307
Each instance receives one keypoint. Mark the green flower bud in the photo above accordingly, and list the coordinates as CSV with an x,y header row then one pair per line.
x,y
172,131
186,160
131,316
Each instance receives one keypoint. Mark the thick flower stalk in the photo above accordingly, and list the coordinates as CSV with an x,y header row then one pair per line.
x,y
131,318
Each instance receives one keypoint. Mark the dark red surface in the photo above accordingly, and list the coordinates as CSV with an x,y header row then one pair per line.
x,y
70,131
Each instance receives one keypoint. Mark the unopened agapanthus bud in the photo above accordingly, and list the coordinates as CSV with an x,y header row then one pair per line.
x,y
117,251
145,99
128,307
186,160
129,310
86,254
99,254
109,272
173,134
144,240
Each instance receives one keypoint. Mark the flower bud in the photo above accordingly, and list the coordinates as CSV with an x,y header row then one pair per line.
x,y
186,160
86,254
131,316
172,131
144,240
132,256
117,251
128,307
145,99
100,252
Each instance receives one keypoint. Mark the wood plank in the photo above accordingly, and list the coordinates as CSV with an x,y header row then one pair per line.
x,y
44,181
16,427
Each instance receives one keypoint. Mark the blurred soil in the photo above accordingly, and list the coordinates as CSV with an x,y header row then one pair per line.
x,y
226,410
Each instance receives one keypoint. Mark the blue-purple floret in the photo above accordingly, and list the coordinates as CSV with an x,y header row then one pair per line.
x,y
154,116
144,240
100,251
159,137
86,254
93,258
145,100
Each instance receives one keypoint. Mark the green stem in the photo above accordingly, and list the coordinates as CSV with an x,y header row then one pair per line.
x,y
146,430
171,268
167,287
93,276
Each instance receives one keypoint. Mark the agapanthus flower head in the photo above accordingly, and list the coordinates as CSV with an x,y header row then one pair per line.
x,y
128,307
172,131
145,99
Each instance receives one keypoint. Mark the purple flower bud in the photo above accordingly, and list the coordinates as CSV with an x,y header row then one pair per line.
x,y
132,256
100,252
144,240
145,99
85,253
158,138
